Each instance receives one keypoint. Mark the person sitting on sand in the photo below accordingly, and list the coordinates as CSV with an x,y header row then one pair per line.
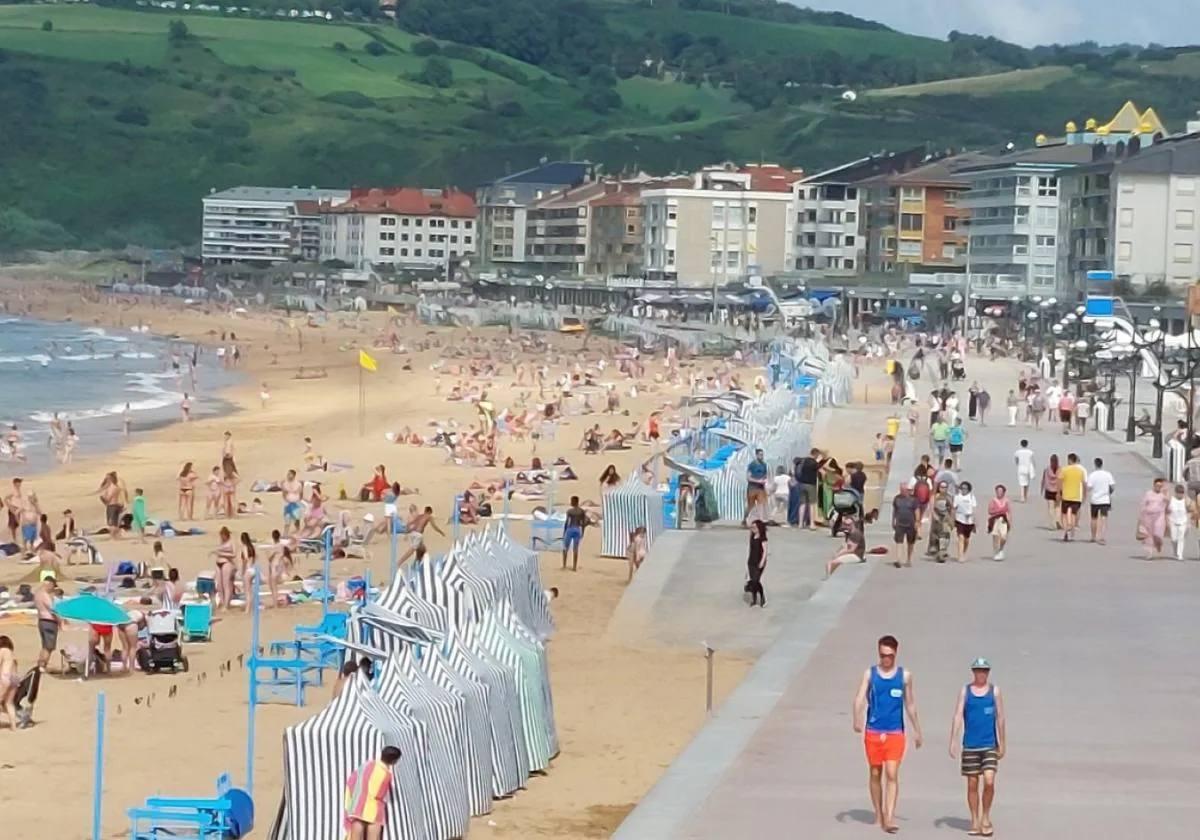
x,y
373,490
314,519
615,440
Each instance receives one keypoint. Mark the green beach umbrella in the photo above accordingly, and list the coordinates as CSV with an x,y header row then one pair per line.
x,y
91,608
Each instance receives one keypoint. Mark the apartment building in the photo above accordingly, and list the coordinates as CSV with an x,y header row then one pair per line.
x,y
1134,211
915,220
617,232
721,226
504,204
262,226
828,207
558,230
402,226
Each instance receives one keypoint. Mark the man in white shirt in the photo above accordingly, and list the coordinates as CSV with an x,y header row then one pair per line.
x,y
1100,485
1025,468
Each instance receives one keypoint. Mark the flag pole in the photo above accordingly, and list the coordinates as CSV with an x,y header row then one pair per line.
x,y
362,402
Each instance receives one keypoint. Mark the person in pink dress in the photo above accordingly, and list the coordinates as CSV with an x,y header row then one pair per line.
x,y
1152,519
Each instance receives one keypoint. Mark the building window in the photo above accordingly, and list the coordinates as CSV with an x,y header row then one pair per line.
x,y
949,223
714,259
670,256
1126,217
404,252
950,197
911,193
1182,252
1124,250
718,215
910,249
1045,241
847,263
1043,275
453,240
387,252
1045,217
733,259
466,240
912,221
849,241
673,214
416,252
1185,186
467,224
418,222
404,223
1185,219
949,252
387,236
752,214
1047,187
454,223
388,221
851,217
416,237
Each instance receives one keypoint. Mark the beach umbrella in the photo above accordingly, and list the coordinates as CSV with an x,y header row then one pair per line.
x,y
92,609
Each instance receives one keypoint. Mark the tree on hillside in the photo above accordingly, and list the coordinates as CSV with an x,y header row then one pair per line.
x,y
436,73
47,26
177,32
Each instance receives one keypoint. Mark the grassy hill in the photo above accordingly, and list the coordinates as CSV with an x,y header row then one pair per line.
x,y
113,130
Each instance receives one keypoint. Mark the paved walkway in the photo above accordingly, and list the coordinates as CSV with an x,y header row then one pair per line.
x,y
1092,645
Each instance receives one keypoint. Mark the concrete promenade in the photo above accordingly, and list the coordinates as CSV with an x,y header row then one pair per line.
x,y
1091,644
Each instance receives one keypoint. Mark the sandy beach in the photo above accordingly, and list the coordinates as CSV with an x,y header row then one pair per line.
x,y
623,713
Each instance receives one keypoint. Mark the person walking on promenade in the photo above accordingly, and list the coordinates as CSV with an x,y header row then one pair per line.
x,y
999,521
957,438
1025,468
884,696
941,523
965,504
1180,511
979,717
1100,486
1012,404
985,402
1152,519
756,563
905,513
939,437
1051,485
1072,480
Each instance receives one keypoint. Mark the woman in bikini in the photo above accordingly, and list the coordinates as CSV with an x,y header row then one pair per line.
x,y
229,482
224,555
279,563
187,492
212,500
247,566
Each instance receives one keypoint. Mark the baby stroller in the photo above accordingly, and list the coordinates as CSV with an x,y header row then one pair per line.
x,y
847,512
165,649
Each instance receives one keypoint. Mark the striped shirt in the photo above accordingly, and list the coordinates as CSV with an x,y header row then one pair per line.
x,y
367,791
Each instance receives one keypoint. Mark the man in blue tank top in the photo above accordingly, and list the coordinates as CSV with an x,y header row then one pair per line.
x,y
884,696
980,717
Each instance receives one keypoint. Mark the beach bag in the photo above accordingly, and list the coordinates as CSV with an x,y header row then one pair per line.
x,y
922,491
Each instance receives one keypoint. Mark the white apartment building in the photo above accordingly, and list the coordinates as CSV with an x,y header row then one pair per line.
x,y
719,226
405,226
827,232
1135,211
261,226
1013,209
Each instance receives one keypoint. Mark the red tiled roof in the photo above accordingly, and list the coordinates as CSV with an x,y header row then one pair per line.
x,y
624,195
408,201
308,208
769,177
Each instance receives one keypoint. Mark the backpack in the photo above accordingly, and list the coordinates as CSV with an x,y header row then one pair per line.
x,y
922,490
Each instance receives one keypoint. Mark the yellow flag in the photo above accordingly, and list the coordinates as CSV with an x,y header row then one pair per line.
x,y
391,310
366,361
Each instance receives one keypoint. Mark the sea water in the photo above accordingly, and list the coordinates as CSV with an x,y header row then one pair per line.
x,y
88,375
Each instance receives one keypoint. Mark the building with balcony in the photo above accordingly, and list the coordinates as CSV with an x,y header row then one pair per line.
x,y
262,226
1134,211
403,226
915,220
828,227
558,230
719,226
504,204
617,232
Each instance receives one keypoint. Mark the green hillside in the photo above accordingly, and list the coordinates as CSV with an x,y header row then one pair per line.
x,y
115,122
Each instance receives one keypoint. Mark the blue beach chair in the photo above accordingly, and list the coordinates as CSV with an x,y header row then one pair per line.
x,y
197,622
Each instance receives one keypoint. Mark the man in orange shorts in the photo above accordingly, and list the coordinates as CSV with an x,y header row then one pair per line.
x,y
884,696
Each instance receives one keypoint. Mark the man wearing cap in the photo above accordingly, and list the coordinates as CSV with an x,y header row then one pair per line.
x,y
48,623
980,717
884,696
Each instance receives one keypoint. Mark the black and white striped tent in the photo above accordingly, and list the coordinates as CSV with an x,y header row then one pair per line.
x,y
628,506
321,753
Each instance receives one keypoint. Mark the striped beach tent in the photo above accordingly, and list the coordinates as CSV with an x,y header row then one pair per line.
x,y
320,753
522,656
456,680
511,621
510,765
399,597
444,799
630,505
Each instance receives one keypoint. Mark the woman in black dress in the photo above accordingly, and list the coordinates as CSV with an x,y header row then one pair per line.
x,y
756,563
